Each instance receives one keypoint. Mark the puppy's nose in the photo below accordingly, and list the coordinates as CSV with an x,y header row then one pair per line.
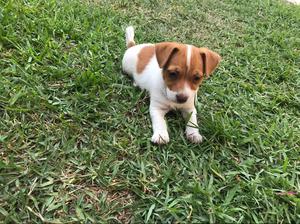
x,y
181,98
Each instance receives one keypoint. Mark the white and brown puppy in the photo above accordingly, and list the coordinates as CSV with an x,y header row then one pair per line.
x,y
171,73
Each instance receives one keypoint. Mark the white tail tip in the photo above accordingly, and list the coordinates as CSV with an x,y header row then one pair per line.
x,y
129,34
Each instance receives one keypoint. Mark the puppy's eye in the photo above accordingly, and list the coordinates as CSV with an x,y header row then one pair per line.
x,y
173,75
197,78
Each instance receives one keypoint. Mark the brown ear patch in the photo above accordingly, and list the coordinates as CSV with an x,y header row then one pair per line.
x,y
164,52
144,57
195,72
210,60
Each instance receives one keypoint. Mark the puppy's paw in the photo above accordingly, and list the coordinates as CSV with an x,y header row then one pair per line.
x,y
194,136
160,137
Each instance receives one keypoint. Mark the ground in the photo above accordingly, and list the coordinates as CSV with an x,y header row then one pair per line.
x,y
75,133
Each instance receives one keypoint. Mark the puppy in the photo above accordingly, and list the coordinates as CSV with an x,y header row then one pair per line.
x,y
171,73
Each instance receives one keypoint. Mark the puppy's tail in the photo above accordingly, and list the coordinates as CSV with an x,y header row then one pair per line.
x,y
129,35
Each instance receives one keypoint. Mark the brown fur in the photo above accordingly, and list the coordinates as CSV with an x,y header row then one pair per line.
x,y
144,57
130,44
196,69
172,57
210,60
164,52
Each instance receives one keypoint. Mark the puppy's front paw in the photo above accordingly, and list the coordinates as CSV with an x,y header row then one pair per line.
x,y
194,136
160,137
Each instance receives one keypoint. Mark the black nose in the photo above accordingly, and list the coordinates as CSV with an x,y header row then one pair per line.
x,y
181,98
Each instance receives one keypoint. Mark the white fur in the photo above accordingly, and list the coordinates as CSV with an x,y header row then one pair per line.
x,y
129,35
189,56
161,98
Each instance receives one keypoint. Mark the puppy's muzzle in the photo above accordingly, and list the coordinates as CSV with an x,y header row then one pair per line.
x,y
181,98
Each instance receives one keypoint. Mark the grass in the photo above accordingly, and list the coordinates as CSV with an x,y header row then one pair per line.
x,y
74,132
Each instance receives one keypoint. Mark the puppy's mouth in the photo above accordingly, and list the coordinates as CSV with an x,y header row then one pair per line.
x,y
178,98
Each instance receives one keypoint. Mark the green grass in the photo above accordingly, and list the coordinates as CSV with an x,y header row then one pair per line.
x,y
75,133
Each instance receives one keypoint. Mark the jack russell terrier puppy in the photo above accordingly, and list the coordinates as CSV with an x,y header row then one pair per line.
x,y
171,72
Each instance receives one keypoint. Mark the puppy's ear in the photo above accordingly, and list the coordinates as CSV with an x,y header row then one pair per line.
x,y
210,60
164,52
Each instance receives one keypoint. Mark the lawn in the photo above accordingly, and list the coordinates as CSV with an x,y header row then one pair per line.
x,y
75,133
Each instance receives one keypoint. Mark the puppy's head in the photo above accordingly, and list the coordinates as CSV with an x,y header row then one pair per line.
x,y
184,68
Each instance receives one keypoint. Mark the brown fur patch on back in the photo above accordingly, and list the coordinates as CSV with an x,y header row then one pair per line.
x,y
144,57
